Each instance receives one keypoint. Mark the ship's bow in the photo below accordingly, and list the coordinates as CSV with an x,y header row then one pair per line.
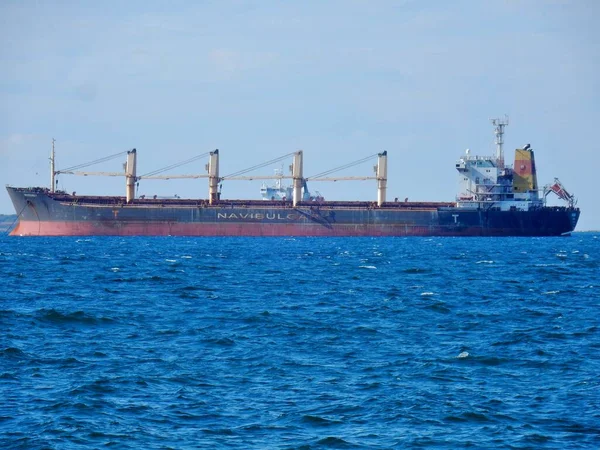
x,y
29,206
19,202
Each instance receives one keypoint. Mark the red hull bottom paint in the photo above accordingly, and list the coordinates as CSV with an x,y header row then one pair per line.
x,y
52,228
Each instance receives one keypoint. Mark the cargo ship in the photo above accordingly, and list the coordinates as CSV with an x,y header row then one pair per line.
x,y
494,200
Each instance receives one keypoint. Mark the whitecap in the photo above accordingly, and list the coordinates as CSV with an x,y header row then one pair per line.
x,y
426,294
463,355
551,292
115,269
367,267
27,291
561,255
186,257
171,260
485,262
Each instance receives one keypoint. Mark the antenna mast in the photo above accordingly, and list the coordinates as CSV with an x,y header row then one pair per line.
x,y
52,172
499,125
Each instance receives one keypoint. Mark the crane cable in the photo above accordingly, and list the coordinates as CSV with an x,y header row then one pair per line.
x,y
97,161
345,166
258,166
173,166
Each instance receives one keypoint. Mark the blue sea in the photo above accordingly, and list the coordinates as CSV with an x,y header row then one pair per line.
x,y
273,343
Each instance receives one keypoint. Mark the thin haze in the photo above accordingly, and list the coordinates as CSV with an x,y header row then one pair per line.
x,y
339,79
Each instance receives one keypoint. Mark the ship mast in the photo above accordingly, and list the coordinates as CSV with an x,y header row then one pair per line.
x,y
213,177
52,172
381,171
499,125
130,175
297,178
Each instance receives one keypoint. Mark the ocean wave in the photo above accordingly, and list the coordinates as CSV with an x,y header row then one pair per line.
x,y
300,348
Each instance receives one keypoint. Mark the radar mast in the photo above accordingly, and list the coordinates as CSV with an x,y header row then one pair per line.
x,y
52,170
499,125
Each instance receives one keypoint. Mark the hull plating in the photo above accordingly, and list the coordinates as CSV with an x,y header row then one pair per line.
x,y
44,214
57,228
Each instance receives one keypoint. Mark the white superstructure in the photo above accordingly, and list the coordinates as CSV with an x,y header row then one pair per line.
x,y
276,191
486,182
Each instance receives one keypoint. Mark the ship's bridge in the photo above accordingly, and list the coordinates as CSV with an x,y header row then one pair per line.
x,y
484,183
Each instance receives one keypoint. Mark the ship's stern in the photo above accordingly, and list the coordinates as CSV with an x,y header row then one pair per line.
x,y
573,218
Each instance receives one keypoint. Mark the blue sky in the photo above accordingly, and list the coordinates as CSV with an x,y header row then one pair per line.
x,y
338,79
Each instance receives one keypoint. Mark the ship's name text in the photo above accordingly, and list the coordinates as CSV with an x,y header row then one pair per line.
x,y
258,216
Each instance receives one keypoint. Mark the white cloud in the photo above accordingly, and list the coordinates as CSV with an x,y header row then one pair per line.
x,y
14,142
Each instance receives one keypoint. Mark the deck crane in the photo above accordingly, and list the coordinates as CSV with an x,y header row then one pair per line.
x,y
297,177
559,190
